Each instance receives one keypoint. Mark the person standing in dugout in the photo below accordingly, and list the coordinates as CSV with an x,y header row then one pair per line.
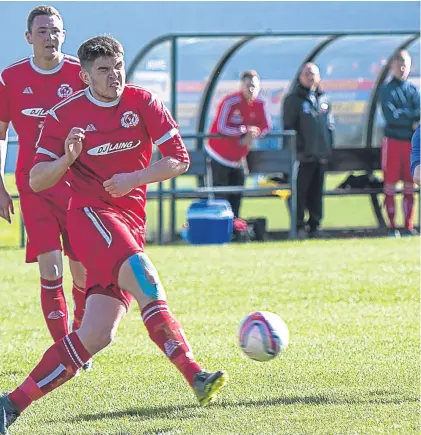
x,y
307,110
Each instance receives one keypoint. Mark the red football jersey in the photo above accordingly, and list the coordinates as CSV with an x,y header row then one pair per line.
x,y
26,94
118,139
233,117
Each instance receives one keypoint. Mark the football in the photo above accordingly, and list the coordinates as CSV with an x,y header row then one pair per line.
x,y
263,335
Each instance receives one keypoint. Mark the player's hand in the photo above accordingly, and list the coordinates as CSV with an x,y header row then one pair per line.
x,y
247,139
255,131
73,144
6,205
417,175
120,184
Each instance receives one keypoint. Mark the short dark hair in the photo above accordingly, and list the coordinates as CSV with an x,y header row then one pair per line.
x,y
41,10
249,75
99,46
400,55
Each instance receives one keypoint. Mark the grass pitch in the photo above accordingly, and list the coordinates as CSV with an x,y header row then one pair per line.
x,y
352,367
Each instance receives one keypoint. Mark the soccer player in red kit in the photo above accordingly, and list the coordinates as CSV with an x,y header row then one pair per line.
x,y
241,117
104,135
400,102
28,88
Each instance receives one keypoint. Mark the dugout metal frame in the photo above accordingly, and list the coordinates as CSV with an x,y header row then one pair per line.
x,y
243,39
239,41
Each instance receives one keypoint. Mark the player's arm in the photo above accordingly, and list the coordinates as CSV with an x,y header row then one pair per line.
x,y
163,131
6,203
254,131
50,167
175,163
394,115
164,169
224,114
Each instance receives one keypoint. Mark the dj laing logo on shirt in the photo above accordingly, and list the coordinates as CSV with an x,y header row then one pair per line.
x,y
109,148
64,91
38,112
129,119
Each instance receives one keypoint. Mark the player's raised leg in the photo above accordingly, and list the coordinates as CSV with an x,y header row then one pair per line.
x,y
139,276
64,358
79,299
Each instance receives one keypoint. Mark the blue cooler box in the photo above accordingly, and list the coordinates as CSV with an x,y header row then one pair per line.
x,y
209,222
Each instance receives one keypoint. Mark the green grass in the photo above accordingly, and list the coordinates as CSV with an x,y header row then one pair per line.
x,y
340,212
352,367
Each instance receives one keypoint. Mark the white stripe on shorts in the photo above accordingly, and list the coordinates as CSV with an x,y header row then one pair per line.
x,y
99,225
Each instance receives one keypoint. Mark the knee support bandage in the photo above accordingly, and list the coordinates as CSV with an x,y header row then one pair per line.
x,y
147,276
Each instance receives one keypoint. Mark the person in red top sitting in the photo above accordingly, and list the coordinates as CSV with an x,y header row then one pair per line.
x,y
241,117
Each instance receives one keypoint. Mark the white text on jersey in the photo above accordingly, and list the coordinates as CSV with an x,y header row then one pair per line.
x,y
37,112
109,148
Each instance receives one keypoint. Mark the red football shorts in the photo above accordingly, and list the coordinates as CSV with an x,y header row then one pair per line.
x,y
103,240
44,216
396,160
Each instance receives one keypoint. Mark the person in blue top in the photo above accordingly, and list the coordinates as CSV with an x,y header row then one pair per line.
x,y
415,156
400,102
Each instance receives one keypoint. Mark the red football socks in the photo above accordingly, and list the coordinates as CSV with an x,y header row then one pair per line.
x,y
58,365
54,307
166,332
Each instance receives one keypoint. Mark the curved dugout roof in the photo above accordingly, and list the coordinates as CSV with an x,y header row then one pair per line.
x,y
193,71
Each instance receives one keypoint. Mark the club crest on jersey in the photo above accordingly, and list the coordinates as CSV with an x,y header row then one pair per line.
x,y
64,91
37,112
109,148
129,119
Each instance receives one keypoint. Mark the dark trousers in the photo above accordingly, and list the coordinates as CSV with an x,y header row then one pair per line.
x,y
310,182
226,176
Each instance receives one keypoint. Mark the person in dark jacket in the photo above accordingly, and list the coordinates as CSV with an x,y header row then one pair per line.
x,y
308,111
400,102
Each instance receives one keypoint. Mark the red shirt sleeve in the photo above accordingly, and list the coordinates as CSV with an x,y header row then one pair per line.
x,y
163,130
50,144
224,126
4,100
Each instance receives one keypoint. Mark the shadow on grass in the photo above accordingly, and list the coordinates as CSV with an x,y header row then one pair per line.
x,y
325,400
168,412
177,412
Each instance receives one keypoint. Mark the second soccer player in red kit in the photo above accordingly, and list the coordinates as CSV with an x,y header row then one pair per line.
x,y
28,89
104,135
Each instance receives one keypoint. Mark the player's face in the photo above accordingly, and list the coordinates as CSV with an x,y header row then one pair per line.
x,y
106,78
47,36
401,68
250,88
310,76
